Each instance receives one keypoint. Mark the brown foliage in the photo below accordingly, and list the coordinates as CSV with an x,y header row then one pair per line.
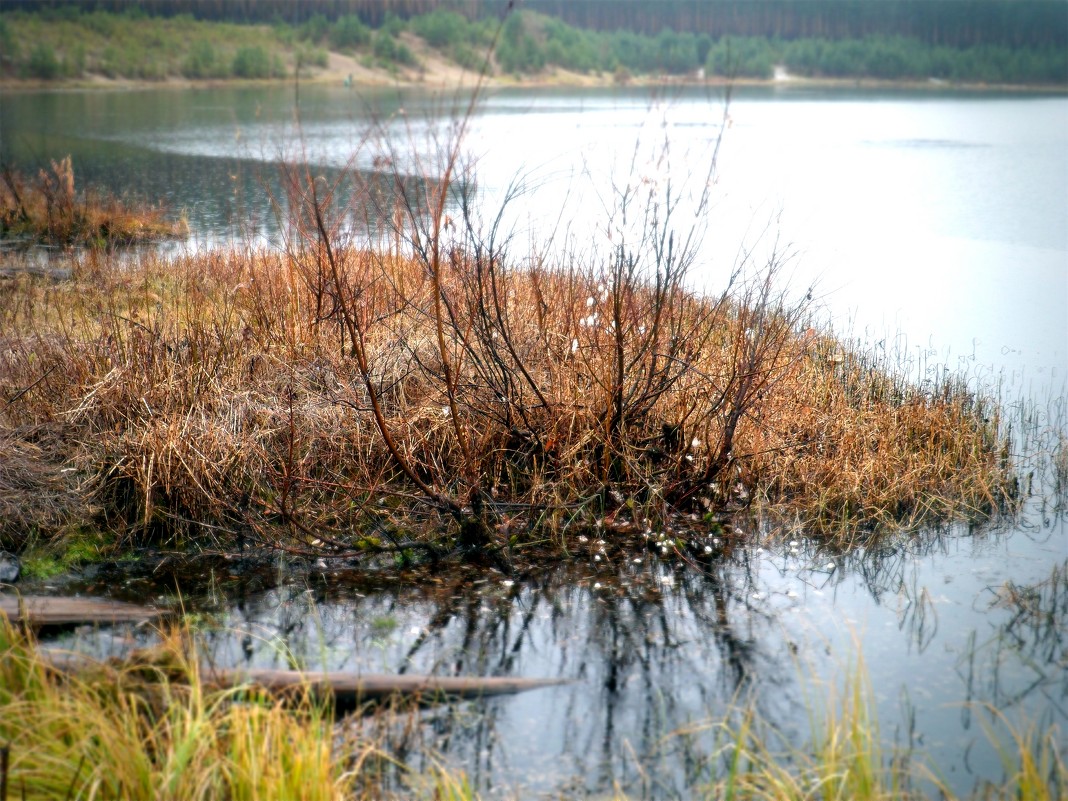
x,y
214,396
48,210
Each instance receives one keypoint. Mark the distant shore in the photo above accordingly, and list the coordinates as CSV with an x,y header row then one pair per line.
x,y
437,73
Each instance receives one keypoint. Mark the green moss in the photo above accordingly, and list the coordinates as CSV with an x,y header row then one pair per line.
x,y
382,626
40,566
77,548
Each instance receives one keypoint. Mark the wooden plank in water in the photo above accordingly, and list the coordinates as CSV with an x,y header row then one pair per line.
x,y
350,689
38,611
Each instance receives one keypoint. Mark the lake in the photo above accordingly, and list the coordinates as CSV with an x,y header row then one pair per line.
x,y
930,224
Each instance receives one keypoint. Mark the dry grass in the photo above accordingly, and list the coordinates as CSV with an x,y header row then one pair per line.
x,y
48,209
222,396
151,731
871,451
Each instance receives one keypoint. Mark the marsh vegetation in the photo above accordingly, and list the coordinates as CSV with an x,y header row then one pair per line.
x,y
446,393
422,442
48,209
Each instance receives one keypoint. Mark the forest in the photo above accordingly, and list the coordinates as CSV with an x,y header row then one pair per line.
x,y
69,43
953,23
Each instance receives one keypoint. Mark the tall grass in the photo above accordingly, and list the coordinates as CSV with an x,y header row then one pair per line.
x,y
48,209
380,400
148,729
843,757
153,732
214,394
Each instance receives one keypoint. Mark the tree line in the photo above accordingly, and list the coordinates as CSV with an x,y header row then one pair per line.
x,y
951,23
63,42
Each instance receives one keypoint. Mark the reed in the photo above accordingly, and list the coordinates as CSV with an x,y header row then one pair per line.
x,y
842,754
149,730
843,757
155,734
48,209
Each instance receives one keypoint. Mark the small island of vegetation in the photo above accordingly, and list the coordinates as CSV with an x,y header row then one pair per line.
x,y
49,210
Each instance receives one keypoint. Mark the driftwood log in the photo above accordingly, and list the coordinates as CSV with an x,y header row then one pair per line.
x,y
40,611
348,690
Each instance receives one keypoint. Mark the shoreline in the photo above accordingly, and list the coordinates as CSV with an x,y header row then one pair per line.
x,y
455,78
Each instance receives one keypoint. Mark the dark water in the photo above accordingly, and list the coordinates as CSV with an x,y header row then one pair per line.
x,y
935,226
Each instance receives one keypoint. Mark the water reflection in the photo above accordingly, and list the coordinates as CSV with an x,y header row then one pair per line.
x,y
656,647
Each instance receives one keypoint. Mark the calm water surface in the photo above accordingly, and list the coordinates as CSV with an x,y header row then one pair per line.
x,y
932,225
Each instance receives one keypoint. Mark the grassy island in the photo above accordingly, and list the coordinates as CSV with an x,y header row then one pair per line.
x,y
439,396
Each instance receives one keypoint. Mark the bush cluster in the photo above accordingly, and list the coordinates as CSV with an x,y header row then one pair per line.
x,y
530,42
56,46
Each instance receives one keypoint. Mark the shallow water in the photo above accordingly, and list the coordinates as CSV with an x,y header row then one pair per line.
x,y
934,225
654,646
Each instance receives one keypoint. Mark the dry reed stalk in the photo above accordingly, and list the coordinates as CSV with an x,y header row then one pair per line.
x,y
50,210
205,396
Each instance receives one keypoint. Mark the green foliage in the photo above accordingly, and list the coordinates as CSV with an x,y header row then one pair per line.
x,y
111,63
8,48
676,52
748,57
349,32
252,62
467,57
54,43
896,58
42,63
571,48
531,41
315,57
41,566
75,62
314,29
389,49
203,62
100,23
60,13
76,549
518,50
392,25
442,29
